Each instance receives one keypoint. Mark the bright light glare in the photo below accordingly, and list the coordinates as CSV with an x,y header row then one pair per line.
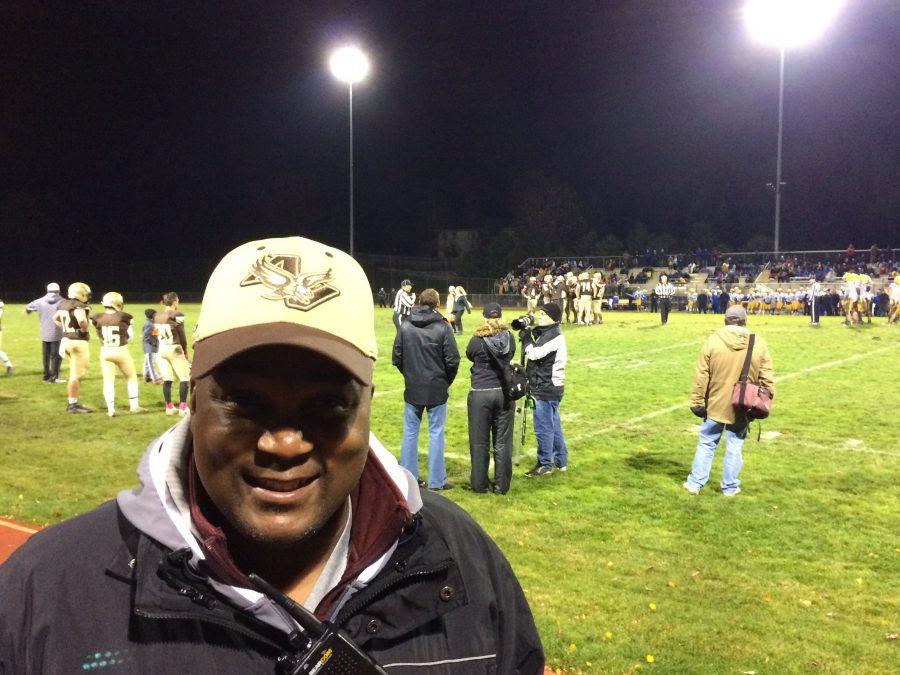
x,y
349,64
789,23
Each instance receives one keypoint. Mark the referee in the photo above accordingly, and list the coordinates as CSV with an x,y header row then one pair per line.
x,y
403,302
664,292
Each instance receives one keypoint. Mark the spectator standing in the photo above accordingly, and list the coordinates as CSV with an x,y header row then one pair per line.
x,y
664,292
403,303
546,354
461,305
150,345
426,353
3,357
382,297
51,333
451,299
276,473
491,412
702,301
718,368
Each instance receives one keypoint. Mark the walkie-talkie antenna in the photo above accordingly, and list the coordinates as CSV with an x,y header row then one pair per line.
x,y
307,620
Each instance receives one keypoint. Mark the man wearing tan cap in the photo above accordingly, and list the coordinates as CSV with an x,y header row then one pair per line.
x,y
718,368
275,473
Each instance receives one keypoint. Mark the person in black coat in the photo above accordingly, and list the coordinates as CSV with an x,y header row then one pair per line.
x,y
461,305
426,353
491,412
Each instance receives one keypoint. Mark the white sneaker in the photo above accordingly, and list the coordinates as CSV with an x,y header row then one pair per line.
x,y
111,413
731,494
689,489
171,410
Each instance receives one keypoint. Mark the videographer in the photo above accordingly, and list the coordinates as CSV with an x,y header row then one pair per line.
x,y
546,354
490,410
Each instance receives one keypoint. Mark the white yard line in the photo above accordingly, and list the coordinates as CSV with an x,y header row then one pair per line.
x,y
20,528
683,405
831,364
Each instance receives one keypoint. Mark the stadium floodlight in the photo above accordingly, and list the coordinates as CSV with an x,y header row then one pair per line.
x,y
786,24
349,65
789,23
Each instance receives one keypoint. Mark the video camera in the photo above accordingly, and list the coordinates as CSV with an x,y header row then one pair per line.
x,y
320,648
523,322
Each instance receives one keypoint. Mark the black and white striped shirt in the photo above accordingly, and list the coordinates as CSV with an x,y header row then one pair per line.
x,y
403,303
664,290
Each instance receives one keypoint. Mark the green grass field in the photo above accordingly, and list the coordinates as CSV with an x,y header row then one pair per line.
x,y
624,570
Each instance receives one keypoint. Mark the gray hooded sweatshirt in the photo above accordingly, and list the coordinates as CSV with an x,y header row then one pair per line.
x,y
46,308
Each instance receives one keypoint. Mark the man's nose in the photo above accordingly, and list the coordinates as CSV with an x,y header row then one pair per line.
x,y
284,442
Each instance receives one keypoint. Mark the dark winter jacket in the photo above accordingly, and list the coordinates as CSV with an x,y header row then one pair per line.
x,y
98,591
149,341
545,354
426,353
485,373
461,304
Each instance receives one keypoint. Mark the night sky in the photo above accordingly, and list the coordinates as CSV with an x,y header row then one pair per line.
x,y
175,130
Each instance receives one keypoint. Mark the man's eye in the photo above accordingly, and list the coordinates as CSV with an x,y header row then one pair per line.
x,y
330,405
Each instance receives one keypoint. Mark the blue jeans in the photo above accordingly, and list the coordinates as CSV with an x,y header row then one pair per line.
x,y
548,430
710,433
409,449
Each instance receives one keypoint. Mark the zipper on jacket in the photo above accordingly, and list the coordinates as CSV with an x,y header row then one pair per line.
x,y
357,604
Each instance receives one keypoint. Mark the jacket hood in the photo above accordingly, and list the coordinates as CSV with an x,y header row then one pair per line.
x,y
735,338
501,343
423,315
159,507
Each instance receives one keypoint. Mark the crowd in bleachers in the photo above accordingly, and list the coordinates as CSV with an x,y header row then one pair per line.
x,y
707,266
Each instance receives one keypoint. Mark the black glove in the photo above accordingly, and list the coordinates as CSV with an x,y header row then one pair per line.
x,y
699,411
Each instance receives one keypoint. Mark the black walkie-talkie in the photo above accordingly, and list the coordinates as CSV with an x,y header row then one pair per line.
x,y
321,649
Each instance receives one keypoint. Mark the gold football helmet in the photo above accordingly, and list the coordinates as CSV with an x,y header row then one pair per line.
x,y
113,300
79,291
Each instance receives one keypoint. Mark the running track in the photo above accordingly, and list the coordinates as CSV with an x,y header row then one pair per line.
x,y
12,535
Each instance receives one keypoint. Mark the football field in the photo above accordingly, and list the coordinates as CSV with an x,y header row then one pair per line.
x,y
623,569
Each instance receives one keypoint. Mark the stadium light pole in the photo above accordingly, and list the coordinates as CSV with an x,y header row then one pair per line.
x,y
786,24
349,65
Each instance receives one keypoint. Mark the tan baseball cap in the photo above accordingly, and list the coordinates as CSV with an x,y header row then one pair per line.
x,y
290,291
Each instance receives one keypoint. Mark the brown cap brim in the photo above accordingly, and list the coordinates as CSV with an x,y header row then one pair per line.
x,y
211,351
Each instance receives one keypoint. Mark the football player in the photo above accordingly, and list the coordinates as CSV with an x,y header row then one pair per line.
x,y
3,356
571,296
531,293
115,331
598,288
73,318
584,299
173,354
894,296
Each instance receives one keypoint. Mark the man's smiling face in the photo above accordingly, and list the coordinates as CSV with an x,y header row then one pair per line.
x,y
280,438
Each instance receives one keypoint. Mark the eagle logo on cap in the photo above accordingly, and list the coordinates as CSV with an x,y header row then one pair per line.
x,y
280,274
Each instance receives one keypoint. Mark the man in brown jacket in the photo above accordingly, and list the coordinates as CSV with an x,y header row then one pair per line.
x,y
718,368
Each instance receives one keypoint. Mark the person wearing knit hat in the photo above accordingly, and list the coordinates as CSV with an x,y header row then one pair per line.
x,y
546,354
275,475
